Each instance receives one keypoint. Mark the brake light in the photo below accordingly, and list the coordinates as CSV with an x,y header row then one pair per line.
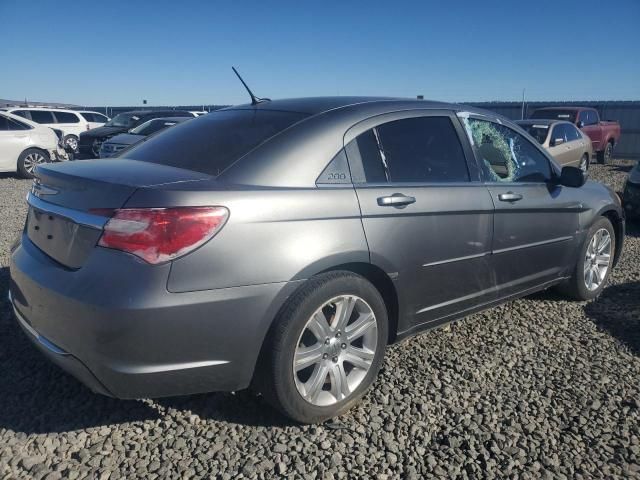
x,y
158,235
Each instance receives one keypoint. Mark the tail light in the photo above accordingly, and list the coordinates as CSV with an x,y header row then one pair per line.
x,y
158,235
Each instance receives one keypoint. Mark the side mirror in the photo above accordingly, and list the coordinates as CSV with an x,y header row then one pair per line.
x,y
573,177
557,141
580,124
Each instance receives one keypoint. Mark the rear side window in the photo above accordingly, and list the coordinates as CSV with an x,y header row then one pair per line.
x,y
421,149
572,133
22,113
42,116
211,143
559,133
66,117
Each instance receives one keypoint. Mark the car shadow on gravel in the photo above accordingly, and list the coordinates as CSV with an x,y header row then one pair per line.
x,y
38,397
617,311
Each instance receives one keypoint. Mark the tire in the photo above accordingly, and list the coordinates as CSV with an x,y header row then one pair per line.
x,y
292,390
70,142
584,163
576,287
29,159
604,157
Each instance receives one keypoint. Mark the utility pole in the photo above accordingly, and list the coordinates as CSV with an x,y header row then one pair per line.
x,y
522,111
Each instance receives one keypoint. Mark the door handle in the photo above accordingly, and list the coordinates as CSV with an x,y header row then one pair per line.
x,y
509,197
395,200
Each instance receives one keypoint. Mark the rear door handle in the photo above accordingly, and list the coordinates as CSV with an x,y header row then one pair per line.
x,y
395,200
509,197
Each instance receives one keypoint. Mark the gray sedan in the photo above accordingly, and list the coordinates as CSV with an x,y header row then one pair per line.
x,y
283,245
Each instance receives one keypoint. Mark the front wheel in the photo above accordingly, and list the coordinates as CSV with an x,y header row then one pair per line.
x,y
584,163
594,263
326,348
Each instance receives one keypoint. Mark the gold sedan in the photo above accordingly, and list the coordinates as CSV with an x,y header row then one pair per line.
x,y
565,143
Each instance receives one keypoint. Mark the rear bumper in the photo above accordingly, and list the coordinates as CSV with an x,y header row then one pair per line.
x,y
114,326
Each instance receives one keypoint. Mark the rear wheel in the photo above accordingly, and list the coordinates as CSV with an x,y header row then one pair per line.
x,y
605,156
594,263
327,347
70,142
29,160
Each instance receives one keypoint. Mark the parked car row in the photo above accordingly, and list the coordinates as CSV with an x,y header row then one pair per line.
x,y
604,135
71,122
117,143
91,141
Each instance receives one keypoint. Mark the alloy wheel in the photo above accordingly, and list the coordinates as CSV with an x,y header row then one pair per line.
x,y
607,153
584,163
32,160
335,350
72,143
597,259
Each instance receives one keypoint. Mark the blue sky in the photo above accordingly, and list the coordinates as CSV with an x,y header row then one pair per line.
x,y
112,52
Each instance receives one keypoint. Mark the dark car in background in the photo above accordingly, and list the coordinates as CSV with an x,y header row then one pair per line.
x,y
604,135
90,141
116,144
282,245
631,195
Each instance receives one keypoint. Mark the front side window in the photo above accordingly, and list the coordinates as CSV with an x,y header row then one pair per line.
x,y
582,118
505,155
42,116
22,113
420,149
67,117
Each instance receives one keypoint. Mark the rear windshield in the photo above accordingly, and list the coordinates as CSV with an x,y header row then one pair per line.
x,y
539,132
122,120
153,126
211,143
556,114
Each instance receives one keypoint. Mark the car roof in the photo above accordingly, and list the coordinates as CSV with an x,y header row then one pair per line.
x,y
318,105
44,109
142,113
173,119
570,109
541,121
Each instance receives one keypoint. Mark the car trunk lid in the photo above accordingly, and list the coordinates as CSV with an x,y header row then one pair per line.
x,y
70,203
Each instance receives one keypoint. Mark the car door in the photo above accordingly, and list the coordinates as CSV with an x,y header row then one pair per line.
x,y
576,144
426,216
559,148
536,220
14,139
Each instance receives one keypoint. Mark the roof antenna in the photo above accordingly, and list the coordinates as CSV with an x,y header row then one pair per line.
x,y
254,100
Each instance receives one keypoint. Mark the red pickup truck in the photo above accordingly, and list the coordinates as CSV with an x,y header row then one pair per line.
x,y
604,135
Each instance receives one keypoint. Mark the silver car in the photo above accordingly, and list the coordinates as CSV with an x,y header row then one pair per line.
x,y
283,245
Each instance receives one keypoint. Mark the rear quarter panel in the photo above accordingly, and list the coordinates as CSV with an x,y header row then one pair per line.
x,y
272,235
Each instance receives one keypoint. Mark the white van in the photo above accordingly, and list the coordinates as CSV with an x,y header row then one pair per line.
x,y
70,122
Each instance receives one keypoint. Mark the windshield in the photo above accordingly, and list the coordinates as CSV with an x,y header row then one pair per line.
x,y
152,126
122,120
556,114
539,132
211,143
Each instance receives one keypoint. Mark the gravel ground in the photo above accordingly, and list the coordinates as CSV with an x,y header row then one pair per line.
x,y
536,388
